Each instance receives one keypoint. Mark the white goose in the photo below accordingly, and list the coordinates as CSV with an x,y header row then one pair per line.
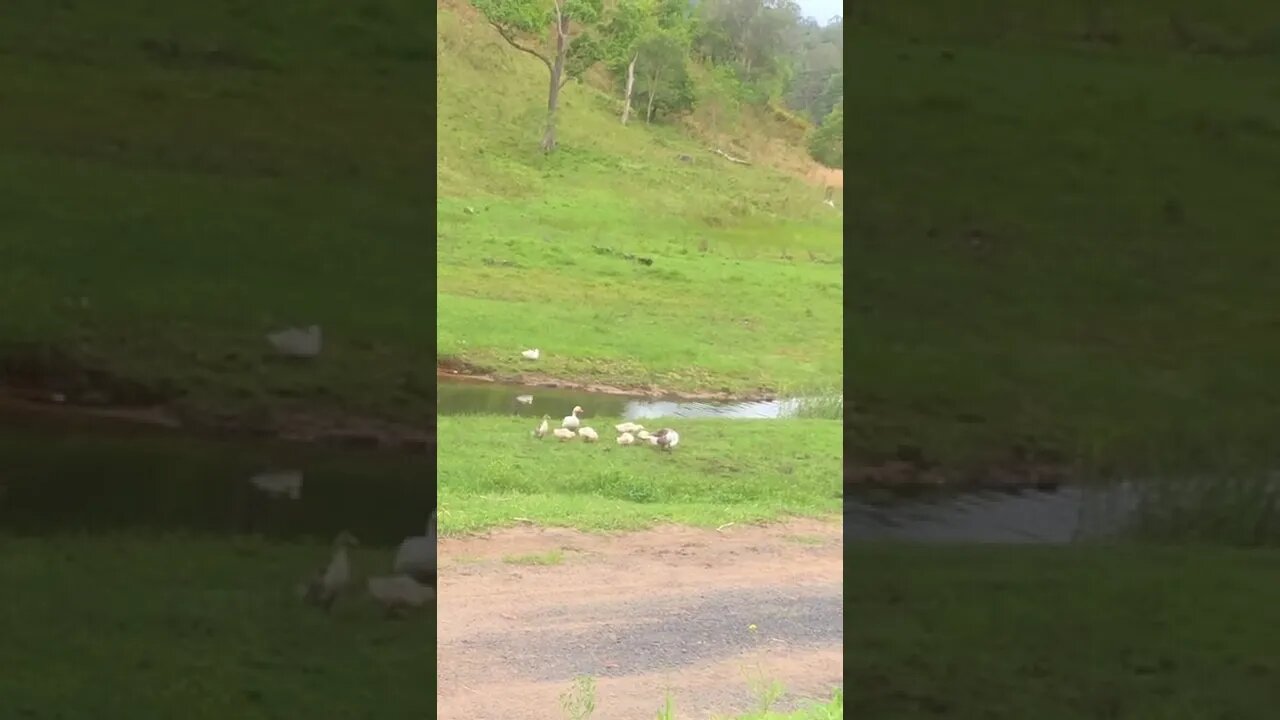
x,y
588,434
324,588
541,431
571,421
563,434
626,438
666,438
416,556
628,427
398,593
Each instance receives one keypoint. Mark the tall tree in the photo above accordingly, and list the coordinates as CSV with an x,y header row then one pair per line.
x,y
826,145
631,20
572,49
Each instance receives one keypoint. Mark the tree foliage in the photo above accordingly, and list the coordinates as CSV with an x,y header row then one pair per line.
x,y
826,144
748,52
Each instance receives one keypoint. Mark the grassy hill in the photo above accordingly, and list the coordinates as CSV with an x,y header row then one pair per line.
x,y
1065,241
176,183
744,287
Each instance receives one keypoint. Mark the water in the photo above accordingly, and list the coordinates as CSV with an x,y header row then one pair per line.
x,y
466,398
1061,515
95,478
1236,511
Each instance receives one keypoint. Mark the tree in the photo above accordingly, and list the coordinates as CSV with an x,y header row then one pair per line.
x,y
571,53
630,21
826,145
661,58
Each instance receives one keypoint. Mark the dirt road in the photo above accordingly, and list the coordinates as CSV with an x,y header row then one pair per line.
x,y
670,609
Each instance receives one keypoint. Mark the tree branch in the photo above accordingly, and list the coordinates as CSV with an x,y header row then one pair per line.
x,y
560,29
512,42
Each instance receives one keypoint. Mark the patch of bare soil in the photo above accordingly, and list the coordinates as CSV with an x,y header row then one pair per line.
x,y
826,177
457,370
665,610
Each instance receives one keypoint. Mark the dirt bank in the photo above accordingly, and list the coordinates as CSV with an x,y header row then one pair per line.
x,y
459,370
670,609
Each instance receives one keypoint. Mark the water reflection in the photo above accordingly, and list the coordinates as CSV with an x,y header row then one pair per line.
x,y
1215,509
92,482
463,398
1025,516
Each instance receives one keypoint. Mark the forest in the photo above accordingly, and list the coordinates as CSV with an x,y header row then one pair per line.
x,y
708,59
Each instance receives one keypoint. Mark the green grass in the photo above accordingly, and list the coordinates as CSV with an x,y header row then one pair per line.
x,y
551,557
532,249
129,626
830,710
1179,632
492,474
1060,240
578,703
221,170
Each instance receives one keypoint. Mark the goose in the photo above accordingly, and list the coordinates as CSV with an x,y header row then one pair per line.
x,y
399,593
533,354
563,434
416,556
541,431
644,435
571,421
626,438
666,438
279,484
297,342
628,427
588,434
325,587
524,399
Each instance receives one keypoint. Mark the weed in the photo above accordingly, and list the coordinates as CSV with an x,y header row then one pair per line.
x,y
551,557
579,701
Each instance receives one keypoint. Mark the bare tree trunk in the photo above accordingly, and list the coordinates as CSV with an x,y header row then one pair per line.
x,y
631,81
653,86
557,70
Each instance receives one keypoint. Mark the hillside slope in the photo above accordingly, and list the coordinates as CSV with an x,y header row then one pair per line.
x,y
1064,245
742,289
175,183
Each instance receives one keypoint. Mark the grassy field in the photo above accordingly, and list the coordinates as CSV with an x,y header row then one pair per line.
x,y
184,626
744,290
1065,239
1067,632
175,184
492,473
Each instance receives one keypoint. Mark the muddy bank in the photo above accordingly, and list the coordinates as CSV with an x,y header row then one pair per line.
x,y
40,381
459,370
315,427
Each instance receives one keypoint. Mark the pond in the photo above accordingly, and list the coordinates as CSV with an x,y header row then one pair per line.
x,y
1220,510
470,398
97,477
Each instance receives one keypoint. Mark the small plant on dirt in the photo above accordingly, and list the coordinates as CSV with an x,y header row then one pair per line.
x,y
551,557
579,701
668,710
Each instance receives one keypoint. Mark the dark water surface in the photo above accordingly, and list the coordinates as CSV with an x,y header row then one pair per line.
x,y
470,398
1060,515
92,477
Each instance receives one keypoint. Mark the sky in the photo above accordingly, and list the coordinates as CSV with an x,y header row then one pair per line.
x,y
821,10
